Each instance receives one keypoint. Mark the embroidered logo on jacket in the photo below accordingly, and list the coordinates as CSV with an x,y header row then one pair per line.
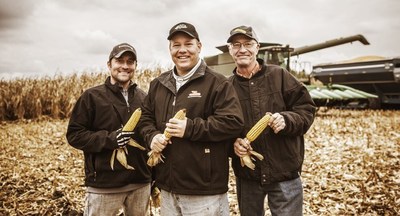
x,y
194,94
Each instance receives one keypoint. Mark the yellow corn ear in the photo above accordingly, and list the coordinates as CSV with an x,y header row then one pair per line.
x,y
253,133
259,127
133,120
181,114
120,154
157,157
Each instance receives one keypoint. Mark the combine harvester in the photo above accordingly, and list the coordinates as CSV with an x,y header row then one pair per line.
x,y
372,74
331,95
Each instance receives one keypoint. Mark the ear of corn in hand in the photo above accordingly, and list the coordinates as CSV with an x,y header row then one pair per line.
x,y
120,153
157,157
259,127
253,133
181,114
133,120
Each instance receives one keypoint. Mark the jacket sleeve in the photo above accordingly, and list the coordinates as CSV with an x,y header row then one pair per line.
x,y
300,108
147,123
81,131
226,121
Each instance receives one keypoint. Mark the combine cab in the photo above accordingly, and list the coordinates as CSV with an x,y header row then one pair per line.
x,y
278,54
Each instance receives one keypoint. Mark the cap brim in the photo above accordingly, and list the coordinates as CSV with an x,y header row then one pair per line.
x,y
122,52
174,33
239,33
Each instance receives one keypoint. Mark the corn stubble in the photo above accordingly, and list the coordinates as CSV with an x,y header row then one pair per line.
x,y
351,166
157,157
121,153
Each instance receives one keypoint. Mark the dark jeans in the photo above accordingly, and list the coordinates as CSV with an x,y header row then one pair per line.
x,y
284,198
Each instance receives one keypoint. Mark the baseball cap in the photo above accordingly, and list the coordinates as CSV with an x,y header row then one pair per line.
x,y
185,28
244,30
119,49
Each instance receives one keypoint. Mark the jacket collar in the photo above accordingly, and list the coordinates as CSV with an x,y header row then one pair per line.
x,y
116,88
261,72
168,79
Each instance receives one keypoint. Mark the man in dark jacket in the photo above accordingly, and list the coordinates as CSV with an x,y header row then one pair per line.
x,y
270,89
95,128
194,175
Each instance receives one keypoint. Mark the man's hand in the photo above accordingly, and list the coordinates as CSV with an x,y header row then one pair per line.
x,y
176,127
123,137
241,147
277,122
158,143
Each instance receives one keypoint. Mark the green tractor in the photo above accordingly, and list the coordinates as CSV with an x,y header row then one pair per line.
x,y
331,95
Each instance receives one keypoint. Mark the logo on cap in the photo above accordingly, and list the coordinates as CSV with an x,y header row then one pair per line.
x,y
180,26
238,30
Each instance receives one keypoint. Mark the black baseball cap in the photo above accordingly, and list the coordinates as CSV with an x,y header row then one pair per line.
x,y
185,28
244,30
119,49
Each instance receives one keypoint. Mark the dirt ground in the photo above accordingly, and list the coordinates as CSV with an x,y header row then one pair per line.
x,y
351,166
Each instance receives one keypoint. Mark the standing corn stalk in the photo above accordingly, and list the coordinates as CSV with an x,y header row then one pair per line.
x,y
120,153
156,157
253,133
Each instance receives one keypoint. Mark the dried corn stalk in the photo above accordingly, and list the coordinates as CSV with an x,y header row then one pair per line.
x,y
121,153
253,133
157,157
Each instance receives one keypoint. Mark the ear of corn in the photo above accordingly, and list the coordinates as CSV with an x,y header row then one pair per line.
x,y
181,114
259,127
157,157
253,133
133,120
120,154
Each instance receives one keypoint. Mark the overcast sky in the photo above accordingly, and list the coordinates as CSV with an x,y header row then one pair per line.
x,y
52,37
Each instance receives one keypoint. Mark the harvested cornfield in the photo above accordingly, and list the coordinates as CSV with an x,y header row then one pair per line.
x,y
351,166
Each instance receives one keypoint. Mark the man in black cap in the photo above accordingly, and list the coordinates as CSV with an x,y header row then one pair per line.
x,y
194,175
95,128
269,89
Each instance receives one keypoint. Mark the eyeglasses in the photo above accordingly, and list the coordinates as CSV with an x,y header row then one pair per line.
x,y
238,45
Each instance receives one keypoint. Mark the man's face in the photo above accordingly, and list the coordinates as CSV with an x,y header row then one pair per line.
x,y
184,51
243,50
123,68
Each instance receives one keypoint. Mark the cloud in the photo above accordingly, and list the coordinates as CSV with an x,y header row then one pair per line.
x,y
49,36
14,14
94,41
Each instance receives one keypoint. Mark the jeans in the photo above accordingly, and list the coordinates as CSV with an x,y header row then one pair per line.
x,y
134,202
284,198
195,205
